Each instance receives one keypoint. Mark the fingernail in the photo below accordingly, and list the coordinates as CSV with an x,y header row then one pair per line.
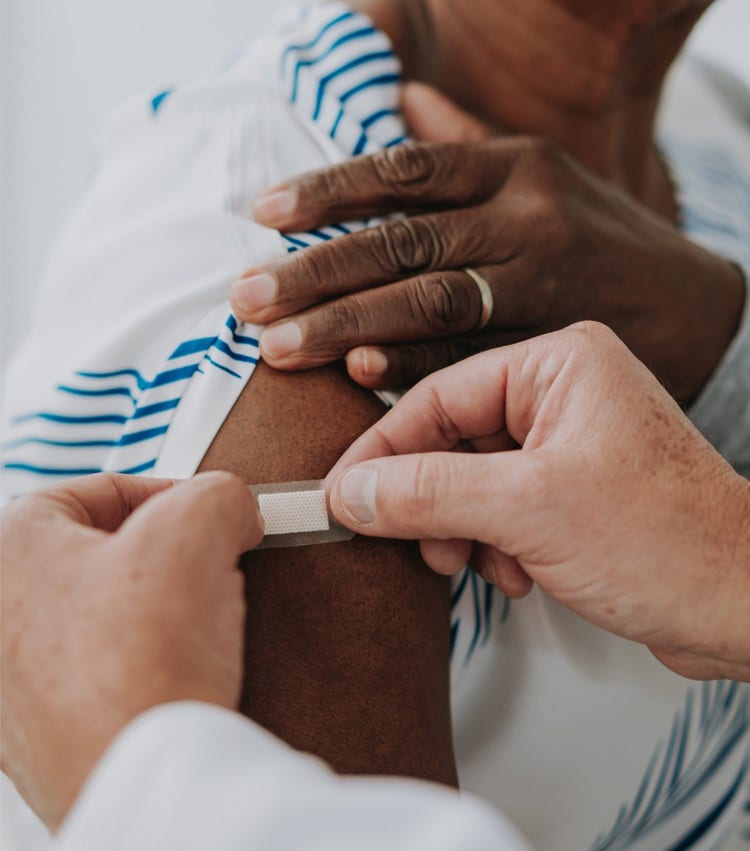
x,y
374,362
275,207
357,493
280,341
254,294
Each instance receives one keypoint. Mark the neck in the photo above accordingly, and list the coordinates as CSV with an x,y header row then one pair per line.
x,y
587,80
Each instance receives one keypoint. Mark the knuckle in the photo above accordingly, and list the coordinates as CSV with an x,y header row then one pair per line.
x,y
450,433
544,214
406,245
432,478
489,572
543,208
592,334
325,188
405,169
316,266
597,347
445,304
543,167
413,363
342,321
116,483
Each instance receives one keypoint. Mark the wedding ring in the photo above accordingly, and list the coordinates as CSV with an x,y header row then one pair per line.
x,y
488,302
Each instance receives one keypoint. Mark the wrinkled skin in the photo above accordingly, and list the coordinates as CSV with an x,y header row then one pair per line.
x,y
119,594
556,244
612,501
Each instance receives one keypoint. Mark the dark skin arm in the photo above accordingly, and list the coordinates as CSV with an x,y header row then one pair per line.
x,y
347,645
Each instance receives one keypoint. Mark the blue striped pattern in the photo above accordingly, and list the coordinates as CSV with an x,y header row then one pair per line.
x,y
745,816
117,419
362,75
714,197
158,100
307,63
345,79
701,744
474,597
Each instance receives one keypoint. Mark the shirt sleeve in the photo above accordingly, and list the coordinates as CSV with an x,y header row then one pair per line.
x,y
191,776
709,162
722,411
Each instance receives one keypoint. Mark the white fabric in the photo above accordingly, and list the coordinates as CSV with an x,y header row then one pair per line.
x,y
582,739
189,777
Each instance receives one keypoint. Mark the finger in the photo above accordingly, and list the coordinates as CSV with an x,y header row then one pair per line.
x,y
210,519
446,557
432,117
405,177
380,255
442,304
439,495
502,571
462,403
103,501
401,366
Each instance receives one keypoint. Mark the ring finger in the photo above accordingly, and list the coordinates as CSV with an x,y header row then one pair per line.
x,y
432,306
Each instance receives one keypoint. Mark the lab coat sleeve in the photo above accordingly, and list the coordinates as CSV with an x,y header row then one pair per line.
x,y
190,776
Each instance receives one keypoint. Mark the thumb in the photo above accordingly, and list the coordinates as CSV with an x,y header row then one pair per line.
x,y
439,495
432,117
212,518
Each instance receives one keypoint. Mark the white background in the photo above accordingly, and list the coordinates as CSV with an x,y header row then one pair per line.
x,y
67,63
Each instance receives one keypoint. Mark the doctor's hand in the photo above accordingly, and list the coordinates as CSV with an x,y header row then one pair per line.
x,y
118,594
585,477
556,244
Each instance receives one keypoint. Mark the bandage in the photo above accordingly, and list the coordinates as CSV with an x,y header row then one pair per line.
x,y
296,514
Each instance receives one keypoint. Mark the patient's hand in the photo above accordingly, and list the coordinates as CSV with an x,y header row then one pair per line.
x,y
556,243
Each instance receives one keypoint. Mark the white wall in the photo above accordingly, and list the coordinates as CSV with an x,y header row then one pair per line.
x,y
67,63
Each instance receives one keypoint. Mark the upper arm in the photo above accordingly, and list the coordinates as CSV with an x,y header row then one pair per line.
x,y
347,644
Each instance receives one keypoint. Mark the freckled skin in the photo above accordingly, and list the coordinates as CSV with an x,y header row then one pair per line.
x,y
347,645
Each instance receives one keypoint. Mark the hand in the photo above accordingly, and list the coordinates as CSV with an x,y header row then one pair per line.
x,y
614,505
556,244
119,594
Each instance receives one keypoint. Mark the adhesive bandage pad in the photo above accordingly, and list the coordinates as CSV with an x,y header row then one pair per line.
x,y
296,514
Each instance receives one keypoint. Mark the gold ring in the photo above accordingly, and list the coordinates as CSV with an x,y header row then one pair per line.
x,y
488,302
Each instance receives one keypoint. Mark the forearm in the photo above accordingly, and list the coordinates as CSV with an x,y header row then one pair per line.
x,y
347,645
